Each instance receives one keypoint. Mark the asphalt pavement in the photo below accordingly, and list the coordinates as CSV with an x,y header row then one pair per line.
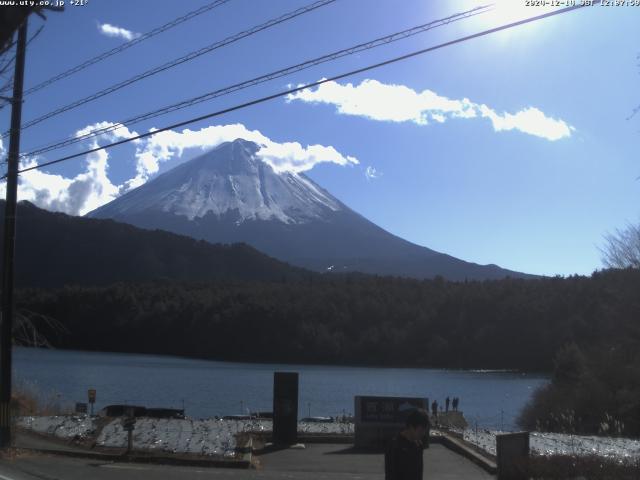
x,y
316,461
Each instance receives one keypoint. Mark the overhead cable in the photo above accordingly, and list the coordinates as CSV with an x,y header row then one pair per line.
x,y
178,61
309,85
124,46
261,79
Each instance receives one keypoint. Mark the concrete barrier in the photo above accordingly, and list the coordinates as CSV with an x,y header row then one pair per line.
x,y
460,447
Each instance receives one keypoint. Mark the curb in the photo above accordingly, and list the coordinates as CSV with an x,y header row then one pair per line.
x,y
324,438
310,438
460,448
243,463
247,453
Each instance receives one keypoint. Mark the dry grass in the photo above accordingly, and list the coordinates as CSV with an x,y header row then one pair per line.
x,y
27,399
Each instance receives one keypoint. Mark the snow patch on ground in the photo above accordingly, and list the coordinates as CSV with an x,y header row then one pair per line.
x,y
60,426
201,437
547,444
218,437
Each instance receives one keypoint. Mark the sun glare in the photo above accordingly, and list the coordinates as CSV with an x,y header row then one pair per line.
x,y
503,12
513,10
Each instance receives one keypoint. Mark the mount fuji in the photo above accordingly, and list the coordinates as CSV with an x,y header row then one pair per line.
x,y
230,195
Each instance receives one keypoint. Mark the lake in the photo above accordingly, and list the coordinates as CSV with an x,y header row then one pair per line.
x,y
206,388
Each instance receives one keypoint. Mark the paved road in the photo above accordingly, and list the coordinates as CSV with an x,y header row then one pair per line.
x,y
22,439
317,461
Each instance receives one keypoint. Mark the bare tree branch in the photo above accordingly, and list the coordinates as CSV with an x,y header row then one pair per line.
x,y
622,248
26,333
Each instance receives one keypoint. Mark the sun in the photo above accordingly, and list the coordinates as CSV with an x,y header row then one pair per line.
x,y
504,12
509,11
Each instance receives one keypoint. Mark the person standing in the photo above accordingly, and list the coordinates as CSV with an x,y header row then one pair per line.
x,y
446,404
403,456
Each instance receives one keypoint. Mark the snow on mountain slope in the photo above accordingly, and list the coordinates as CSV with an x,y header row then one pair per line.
x,y
230,195
230,178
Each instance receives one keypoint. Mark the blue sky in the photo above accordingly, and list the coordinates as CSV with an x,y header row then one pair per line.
x,y
514,148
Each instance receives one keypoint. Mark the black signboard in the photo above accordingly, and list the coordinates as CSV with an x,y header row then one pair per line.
x,y
388,409
512,451
128,424
285,408
81,407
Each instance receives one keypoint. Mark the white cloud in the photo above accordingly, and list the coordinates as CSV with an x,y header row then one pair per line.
x,y
398,103
80,194
371,173
116,32
531,121
288,156
291,156
93,188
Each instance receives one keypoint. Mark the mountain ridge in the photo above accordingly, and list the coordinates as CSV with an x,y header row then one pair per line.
x,y
55,249
240,198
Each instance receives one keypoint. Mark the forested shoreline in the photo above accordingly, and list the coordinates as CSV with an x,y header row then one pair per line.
x,y
585,331
350,319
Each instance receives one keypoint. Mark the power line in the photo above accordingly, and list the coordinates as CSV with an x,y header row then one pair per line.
x,y
185,58
264,78
10,62
310,85
125,46
6,48
31,39
7,64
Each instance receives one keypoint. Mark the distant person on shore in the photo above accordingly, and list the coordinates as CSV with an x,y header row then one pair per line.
x,y
456,400
403,457
446,405
434,409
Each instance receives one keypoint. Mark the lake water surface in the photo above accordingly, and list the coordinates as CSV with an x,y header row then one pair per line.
x,y
207,388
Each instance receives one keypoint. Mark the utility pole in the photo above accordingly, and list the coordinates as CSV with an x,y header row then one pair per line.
x,y
6,325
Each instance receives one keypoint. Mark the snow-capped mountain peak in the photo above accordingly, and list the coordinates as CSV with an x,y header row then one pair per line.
x,y
231,195
229,180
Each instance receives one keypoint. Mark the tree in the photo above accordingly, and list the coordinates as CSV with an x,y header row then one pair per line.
x,y
570,365
622,249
